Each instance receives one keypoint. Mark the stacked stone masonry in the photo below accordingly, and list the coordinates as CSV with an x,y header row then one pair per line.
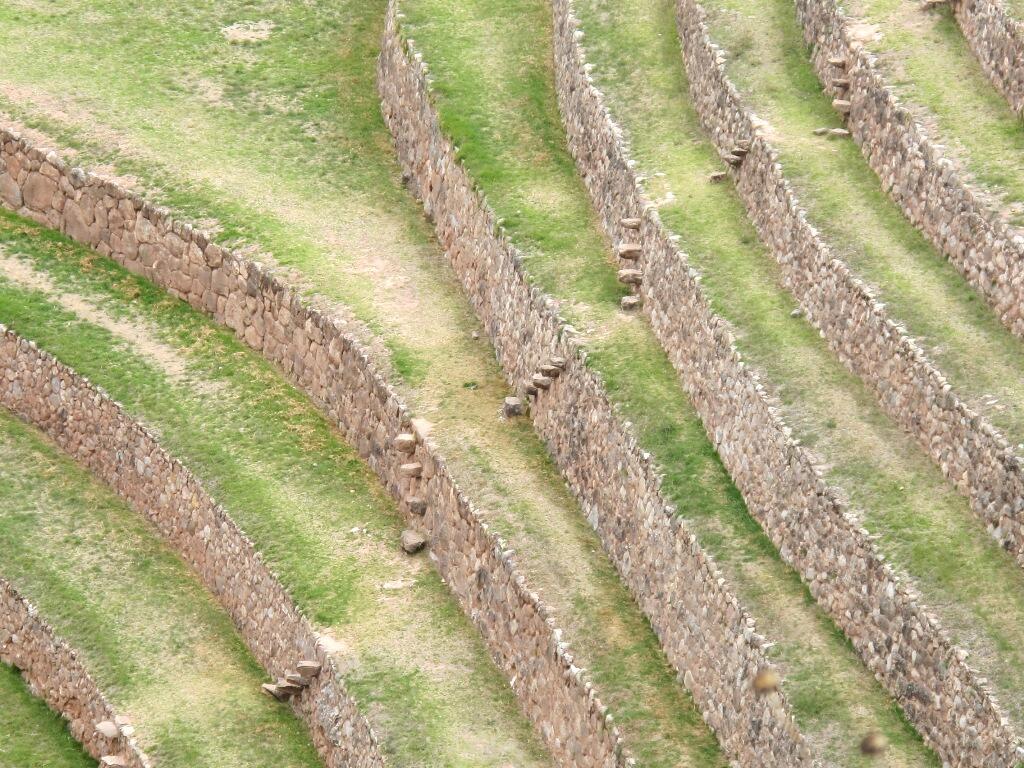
x,y
705,633
898,639
55,674
322,355
98,434
913,168
997,40
971,453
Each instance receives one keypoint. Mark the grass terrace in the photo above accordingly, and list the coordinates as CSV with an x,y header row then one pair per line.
x,y
924,54
155,641
414,662
495,91
33,734
286,148
927,530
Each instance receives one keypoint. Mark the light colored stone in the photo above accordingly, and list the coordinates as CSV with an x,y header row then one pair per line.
x,y
412,541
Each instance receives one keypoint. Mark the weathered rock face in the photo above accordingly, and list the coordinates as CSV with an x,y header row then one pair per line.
x,y
913,168
324,358
54,672
997,40
939,692
706,634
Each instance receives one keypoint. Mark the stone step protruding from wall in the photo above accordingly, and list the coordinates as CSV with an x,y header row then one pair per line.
x,y
405,443
631,276
55,673
631,222
630,251
320,354
412,541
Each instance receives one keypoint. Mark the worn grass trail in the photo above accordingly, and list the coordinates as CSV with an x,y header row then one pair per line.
x,y
32,733
490,62
926,529
414,662
281,142
157,644
925,55
982,359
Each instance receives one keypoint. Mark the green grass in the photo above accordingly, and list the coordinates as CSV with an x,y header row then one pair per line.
x,y
32,733
491,68
156,643
294,155
304,497
926,56
983,360
926,529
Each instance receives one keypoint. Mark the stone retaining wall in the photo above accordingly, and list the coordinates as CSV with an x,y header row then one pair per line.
x,y
705,633
98,434
997,40
900,641
322,356
970,452
54,673
913,168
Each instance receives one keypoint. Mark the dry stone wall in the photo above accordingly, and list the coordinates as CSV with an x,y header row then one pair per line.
x,y
54,673
321,354
997,40
705,633
898,639
98,434
914,171
913,392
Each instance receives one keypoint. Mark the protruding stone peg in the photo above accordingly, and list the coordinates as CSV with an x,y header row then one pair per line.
x,y
840,82
734,160
416,505
285,685
629,303
631,276
630,251
838,62
766,681
530,388
558,362
512,406
412,469
413,541
717,176
740,152
272,690
842,106
540,381
405,443
108,729
631,223
294,678
874,744
113,761
308,668
551,371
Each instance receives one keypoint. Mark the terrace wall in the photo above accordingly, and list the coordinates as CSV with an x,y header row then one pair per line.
x,y
705,633
97,433
814,533
54,673
323,357
914,171
971,453
997,40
